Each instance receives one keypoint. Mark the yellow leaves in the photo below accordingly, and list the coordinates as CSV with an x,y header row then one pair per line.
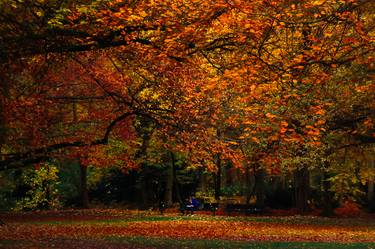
x,y
369,123
316,48
294,139
255,139
249,122
211,131
298,59
232,143
270,115
278,52
365,88
318,2
299,14
100,224
297,34
248,25
328,34
143,14
273,138
320,112
313,131
284,124
39,13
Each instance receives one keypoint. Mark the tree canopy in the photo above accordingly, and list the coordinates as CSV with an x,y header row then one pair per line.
x,y
281,84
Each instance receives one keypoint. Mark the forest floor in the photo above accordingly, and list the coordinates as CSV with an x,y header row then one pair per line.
x,y
109,228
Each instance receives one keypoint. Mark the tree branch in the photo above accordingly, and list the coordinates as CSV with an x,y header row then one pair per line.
x,y
20,160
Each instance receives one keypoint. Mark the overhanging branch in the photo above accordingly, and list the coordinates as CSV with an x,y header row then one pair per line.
x,y
42,154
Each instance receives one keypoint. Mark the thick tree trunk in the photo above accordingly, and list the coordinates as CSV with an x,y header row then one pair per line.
x,y
302,189
370,190
84,191
248,185
144,193
168,195
259,187
327,197
218,178
2,126
202,182
4,93
370,196
175,180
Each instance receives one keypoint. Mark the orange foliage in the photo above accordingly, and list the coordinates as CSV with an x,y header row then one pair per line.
x,y
200,227
348,209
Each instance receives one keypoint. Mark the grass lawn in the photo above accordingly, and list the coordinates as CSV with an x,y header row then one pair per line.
x,y
129,229
185,243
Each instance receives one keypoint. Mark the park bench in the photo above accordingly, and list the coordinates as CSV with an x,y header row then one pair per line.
x,y
213,207
162,207
187,208
246,209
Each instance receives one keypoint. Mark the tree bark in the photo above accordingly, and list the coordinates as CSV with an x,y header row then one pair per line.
x,y
4,93
370,189
248,185
84,191
302,189
203,182
168,195
218,178
145,192
327,197
259,187
175,180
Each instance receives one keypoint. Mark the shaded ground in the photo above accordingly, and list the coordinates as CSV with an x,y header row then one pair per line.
x,y
133,229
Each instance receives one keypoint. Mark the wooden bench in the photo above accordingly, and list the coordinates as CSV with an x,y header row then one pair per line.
x,y
186,208
213,207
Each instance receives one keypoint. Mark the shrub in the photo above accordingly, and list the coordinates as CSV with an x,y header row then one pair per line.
x,y
42,192
348,209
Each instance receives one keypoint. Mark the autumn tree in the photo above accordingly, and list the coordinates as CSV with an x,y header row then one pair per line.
x,y
258,83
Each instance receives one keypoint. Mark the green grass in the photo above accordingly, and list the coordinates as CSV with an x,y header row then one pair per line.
x,y
10,243
205,244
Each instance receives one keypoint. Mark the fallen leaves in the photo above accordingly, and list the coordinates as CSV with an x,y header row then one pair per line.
x,y
181,227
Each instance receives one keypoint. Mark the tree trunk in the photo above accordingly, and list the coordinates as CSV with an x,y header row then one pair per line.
x,y
259,187
248,185
2,127
302,189
218,178
370,190
175,180
84,191
168,195
4,93
144,193
203,182
327,197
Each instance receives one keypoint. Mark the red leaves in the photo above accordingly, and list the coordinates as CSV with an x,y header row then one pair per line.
x,y
348,209
95,226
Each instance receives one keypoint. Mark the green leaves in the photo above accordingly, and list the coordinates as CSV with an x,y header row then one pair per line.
x,y
42,184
